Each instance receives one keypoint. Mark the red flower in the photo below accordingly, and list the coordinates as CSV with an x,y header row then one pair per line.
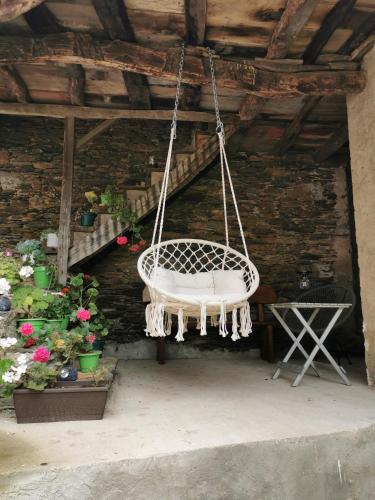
x,y
86,276
83,314
29,342
64,290
134,248
41,354
90,339
142,243
122,240
26,329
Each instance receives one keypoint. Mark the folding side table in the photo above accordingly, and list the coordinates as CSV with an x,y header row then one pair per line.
x,y
307,327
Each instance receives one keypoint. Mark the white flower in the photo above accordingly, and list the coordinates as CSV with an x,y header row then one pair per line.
x,y
4,286
7,342
22,359
24,258
8,377
26,272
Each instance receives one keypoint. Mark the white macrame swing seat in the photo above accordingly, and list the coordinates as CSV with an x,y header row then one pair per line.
x,y
193,278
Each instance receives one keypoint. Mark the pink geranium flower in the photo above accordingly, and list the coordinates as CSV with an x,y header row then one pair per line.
x,y
122,240
83,314
26,329
90,339
134,248
41,354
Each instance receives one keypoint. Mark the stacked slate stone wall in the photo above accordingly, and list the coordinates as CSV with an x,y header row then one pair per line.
x,y
293,213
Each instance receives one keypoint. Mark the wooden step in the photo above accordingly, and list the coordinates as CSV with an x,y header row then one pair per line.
x,y
134,193
156,176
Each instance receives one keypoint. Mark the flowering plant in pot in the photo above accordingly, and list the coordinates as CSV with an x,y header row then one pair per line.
x,y
31,304
82,290
88,357
34,260
58,311
88,216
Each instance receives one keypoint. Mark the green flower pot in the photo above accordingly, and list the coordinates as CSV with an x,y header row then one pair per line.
x,y
37,323
87,219
41,277
65,322
88,361
104,199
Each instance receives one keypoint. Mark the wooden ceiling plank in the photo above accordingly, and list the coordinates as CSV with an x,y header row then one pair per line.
x,y
114,18
333,144
250,107
92,113
18,85
42,21
71,48
294,128
195,21
293,19
360,35
332,21
359,53
9,9
95,132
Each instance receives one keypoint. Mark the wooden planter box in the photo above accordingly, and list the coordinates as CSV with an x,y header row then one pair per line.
x,y
59,404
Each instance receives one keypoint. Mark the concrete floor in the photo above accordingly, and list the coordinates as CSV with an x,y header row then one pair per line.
x,y
209,417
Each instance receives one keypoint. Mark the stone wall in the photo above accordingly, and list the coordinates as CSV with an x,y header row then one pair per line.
x,y
292,213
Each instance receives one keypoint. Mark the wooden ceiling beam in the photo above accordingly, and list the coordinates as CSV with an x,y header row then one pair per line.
x,y
18,85
92,113
293,19
42,21
77,85
195,21
331,22
114,18
294,128
71,48
10,9
250,107
360,35
332,145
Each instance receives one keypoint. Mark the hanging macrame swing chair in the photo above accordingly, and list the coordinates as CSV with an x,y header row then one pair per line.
x,y
192,278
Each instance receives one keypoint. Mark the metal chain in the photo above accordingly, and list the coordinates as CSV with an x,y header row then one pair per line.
x,y
219,123
179,78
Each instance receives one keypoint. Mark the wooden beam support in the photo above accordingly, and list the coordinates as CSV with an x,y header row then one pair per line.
x,y
41,20
87,113
94,132
10,9
195,21
250,107
294,128
70,48
18,86
294,18
77,85
333,144
114,18
332,21
66,200
360,35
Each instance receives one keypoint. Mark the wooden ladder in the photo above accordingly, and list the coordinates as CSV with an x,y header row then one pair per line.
x,y
143,200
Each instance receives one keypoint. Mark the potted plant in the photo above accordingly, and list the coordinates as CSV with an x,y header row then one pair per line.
x,y
88,217
31,303
50,237
33,257
100,326
88,357
105,197
58,311
9,268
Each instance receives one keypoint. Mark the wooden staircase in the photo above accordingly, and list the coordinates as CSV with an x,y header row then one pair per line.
x,y
87,242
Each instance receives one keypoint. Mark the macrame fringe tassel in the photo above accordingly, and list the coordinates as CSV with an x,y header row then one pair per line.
x,y
168,324
186,319
246,324
203,320
180,332
155,320
223,332
198,327
235,334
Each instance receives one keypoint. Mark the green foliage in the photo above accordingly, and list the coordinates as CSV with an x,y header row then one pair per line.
x,y
83,292
67,344
101,376
31,249
39,376
31,301
118,207
9,269
5,364
59,307
100,325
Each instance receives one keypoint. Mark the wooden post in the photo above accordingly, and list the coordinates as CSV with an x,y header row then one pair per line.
x,y
66,200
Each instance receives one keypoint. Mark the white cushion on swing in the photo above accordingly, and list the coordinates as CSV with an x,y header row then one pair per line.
x,y
229,282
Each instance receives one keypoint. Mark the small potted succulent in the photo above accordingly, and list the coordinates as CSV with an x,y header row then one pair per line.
x,y
87,217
